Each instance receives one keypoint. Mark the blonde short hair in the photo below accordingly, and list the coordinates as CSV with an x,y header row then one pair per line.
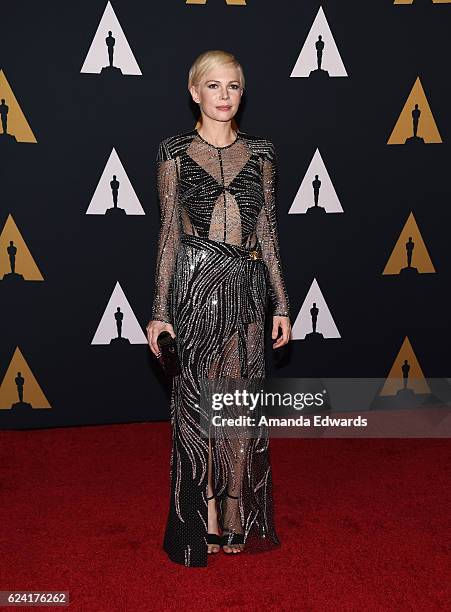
x,y
210,59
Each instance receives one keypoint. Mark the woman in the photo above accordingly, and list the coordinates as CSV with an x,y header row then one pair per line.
x,y
217,262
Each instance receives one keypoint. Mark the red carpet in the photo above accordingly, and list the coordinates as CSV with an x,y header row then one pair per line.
x,y
362,525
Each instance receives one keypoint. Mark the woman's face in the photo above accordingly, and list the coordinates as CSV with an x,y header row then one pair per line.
x,y
219,92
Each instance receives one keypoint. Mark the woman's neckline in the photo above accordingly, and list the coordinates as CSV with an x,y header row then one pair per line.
x,y
214,146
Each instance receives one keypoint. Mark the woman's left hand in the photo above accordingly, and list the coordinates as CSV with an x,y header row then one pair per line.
x,y
285,325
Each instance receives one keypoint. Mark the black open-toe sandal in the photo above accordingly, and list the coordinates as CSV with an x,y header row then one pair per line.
x,y
230,538
213,538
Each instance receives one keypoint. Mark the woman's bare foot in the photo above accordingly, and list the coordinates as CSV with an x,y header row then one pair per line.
x,y
213,524
232,548
233,521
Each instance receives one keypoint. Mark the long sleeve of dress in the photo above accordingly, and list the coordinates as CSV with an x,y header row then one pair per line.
x,y
267,234
169,235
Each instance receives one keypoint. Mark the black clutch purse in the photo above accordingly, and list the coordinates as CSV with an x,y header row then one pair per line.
x,y
169,358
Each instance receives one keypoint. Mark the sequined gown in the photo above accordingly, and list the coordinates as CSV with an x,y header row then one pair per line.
x,y
217,204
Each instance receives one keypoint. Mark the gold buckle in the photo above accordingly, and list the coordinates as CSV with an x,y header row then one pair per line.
x,y
254,254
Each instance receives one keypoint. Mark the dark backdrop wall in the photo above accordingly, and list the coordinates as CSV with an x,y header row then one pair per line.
x,y
71,129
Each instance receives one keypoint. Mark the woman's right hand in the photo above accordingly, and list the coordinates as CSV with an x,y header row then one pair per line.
x,y
154,328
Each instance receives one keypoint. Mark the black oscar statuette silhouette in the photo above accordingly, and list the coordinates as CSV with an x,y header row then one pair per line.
x,y
415,139
115,210
20,381
406,397
119,315
314,336
5,138
12,276
409,269
319,73
316,208
405,372
110,41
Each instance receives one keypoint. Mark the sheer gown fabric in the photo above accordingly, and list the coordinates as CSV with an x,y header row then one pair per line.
x,y
217,204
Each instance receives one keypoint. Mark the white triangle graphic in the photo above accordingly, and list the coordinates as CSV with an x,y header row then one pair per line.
x,y
103,195
307,60
107,329
97,57
327,196
324,323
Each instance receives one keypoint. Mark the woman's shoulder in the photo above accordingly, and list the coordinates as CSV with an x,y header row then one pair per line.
x,y
260,145
172,146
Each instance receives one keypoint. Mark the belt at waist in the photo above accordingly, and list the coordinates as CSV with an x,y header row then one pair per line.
x,y
230,250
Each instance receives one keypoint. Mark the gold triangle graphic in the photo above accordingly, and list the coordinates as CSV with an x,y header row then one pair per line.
x,y
413,2
416,380
427,128
16,253
17,125
18,372
421,261
230,2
